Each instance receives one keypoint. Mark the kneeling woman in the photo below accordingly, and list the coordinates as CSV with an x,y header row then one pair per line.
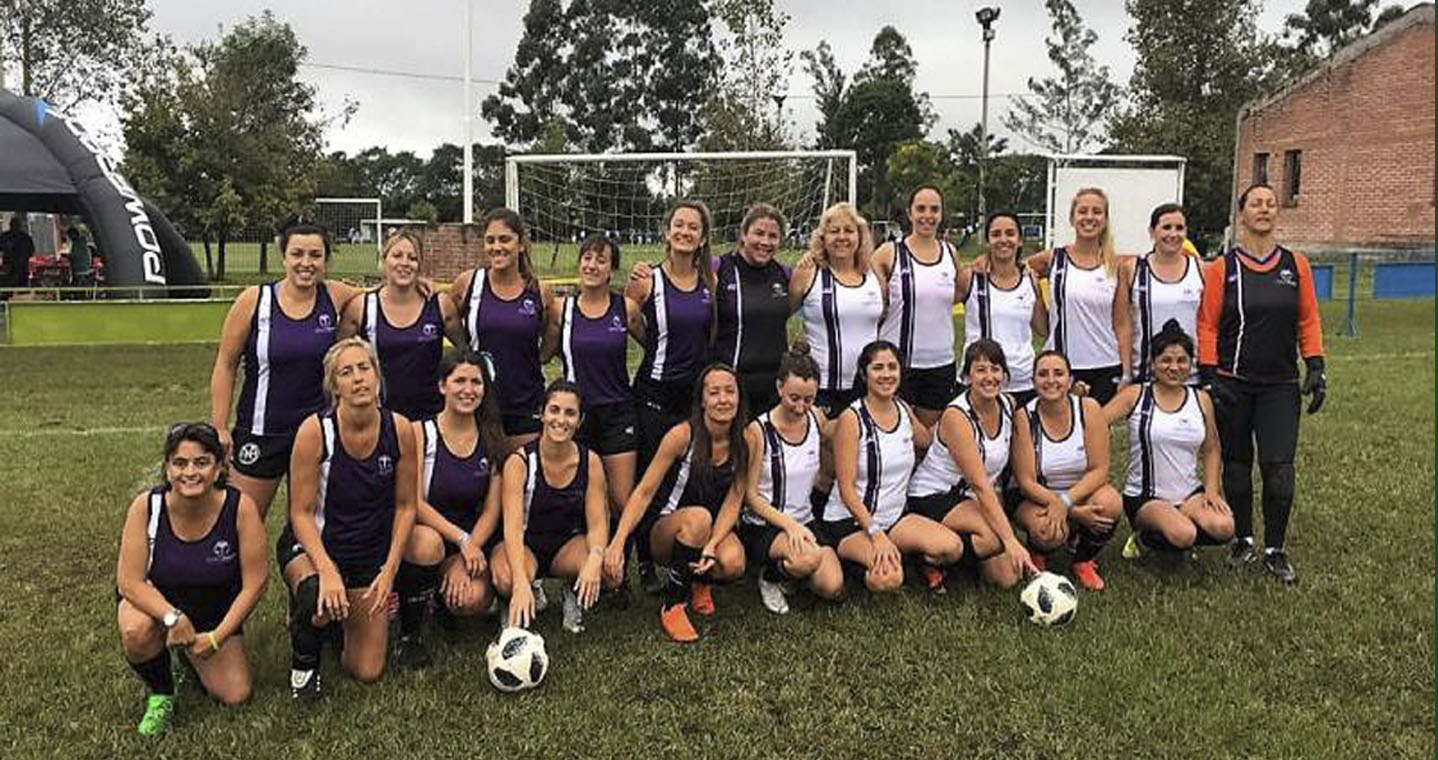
x,y
352,506
875,443
1060,458
783,462
191,568
1171,431
959,482
692,480
555,523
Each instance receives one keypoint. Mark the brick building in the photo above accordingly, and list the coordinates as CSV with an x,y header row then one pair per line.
x,y
1349,146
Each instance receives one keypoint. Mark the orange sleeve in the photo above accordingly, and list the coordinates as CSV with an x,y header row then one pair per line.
x,y
1310,329
1210,309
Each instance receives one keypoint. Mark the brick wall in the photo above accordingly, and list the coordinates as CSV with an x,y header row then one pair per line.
x,y
1365,127
450,249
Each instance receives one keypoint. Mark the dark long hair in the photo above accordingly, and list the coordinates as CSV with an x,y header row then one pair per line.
x,y
204,434
866,357
701,464
511,219
486,415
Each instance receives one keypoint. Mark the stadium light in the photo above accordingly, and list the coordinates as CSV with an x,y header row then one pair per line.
x,y
986,18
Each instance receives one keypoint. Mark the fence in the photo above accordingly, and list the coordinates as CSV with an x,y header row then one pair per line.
x,y
1361,278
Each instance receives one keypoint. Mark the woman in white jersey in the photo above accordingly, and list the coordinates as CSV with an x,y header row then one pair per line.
x,y
783,461
959,482
1002,304
1165,284
1172,440
922,276
841,301
1083,280
875,443
1060,458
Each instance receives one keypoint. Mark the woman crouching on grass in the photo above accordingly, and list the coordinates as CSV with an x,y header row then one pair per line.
x,y
875,444
692,480
1171,432
353,475
191,568
555,521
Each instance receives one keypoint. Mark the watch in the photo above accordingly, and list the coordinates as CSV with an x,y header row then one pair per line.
x,y
172,617
1064,497
873,529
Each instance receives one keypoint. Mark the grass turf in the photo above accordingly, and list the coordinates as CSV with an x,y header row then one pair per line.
x,y
1192,660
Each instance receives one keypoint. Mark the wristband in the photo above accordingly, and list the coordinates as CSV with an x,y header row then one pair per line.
x,y
214,646
1064,497
464,539
873,529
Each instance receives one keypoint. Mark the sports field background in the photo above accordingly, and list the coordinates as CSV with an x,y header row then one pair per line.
x,y
1182,660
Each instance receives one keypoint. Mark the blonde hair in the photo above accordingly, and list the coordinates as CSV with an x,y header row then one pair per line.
x,y
1107,254
332,357
862,254
394,240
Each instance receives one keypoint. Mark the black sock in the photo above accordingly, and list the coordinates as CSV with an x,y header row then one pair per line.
x,y
1206,539
156,673
1278,489
970,558
681,573
1155,540
415,584
773,572
1090,543
305,638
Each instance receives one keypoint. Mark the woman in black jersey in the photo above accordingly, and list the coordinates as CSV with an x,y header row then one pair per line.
x,y
692,481
555,523
191,569
352,505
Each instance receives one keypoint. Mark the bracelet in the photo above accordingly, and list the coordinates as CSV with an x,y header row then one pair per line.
x,y
464,538
214,646
1064,497
596,550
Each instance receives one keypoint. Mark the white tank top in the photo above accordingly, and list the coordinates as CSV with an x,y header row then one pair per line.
x,y
1163,448
787,474
938,472
1081,313
839,321
1004,316
1154,302
886,458
1062,463
918,293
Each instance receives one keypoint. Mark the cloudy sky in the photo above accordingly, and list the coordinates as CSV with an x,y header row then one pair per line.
x,y
425,38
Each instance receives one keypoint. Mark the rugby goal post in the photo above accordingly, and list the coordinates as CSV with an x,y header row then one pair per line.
x,y
1134,184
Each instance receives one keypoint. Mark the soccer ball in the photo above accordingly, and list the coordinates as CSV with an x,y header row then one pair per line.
x,y
1049,599
517,660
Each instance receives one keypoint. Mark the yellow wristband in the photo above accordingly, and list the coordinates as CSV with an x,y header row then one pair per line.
x,y
214,645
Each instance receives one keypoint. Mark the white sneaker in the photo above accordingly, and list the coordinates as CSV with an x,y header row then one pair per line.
x,y
573,613
541,601
772,594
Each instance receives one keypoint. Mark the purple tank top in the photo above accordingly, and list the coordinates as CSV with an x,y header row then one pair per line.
x,y
594,351
676,334
553,514
284,364
456,487
356,499
408,356
509,330
179,567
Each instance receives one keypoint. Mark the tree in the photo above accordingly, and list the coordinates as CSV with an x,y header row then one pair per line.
x,y
1198,62
1323,28
921,162
829,81
741,113
613,74
71,51
1066,113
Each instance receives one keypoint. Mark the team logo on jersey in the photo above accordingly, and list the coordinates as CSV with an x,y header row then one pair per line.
x,y
429,331
629,430
221,552
527,308
249,453
483,467
1287,277
731,286
778,290
327,323
616,324
385,464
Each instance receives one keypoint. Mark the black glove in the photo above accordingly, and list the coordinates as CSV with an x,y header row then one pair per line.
x,y
1217,390
1315,383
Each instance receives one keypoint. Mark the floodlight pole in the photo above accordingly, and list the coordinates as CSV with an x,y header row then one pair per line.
x,y
986,18
468,114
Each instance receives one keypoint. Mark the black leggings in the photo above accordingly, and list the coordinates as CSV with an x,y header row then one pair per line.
x,y
1267,413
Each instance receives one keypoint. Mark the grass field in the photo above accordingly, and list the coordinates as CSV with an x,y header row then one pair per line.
x,y
1186,661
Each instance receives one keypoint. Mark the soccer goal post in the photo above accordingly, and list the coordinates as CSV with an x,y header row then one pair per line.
x,y
563,197
355,221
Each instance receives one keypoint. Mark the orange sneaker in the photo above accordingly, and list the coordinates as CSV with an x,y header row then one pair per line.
x,y
1087,575
701,599
934,579
675,623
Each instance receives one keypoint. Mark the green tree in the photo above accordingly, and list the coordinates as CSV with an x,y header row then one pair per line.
x,y
828,88
71,51
1198,62
1066,114
741,113
1323,28
922,162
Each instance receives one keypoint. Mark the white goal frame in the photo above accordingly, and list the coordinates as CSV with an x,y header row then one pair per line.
x,y
378,219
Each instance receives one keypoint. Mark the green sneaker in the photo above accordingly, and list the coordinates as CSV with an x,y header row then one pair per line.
x,y
159,709
1132,549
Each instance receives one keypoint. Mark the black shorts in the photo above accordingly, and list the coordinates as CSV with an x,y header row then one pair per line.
x,y
205,607
1102,381
1132,504
610,428
659,406
519,423
936,506
834,401
354,575
931,388
760,393
260,456
545,549
831,532
757,540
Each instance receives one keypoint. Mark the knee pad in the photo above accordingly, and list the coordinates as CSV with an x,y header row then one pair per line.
x,y
1237,479
304,603
1278,479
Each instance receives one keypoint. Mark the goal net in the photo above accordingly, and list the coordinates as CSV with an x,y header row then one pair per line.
x,y
565,197
351,221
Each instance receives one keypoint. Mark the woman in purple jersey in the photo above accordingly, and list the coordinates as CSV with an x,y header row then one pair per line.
x,y
506,311
352,483
458,509
407,325
593,347
281,332
191,569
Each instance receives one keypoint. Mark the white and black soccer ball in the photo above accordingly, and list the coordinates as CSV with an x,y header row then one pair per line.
x,y
1049,599
517,660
